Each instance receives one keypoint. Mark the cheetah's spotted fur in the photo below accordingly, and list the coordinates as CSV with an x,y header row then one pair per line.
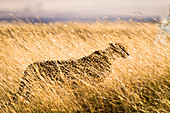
x,y
95,65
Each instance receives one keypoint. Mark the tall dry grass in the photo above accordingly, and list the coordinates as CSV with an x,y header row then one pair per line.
x,y
139,83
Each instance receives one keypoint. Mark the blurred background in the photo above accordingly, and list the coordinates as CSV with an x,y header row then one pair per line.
x,y
83,10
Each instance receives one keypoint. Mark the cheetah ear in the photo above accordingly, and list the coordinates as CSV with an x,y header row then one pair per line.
x,y
119,44
111,44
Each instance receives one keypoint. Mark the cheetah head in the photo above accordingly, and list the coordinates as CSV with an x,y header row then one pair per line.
x,y
119,49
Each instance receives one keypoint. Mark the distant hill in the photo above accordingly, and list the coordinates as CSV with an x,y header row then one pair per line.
x,y
101,19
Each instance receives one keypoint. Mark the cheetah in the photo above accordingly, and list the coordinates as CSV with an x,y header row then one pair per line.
x,y
95,65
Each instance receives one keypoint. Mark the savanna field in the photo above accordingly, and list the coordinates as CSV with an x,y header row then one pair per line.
x,y
139,83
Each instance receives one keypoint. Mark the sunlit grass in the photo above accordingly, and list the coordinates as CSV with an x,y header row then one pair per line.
x,y
138,83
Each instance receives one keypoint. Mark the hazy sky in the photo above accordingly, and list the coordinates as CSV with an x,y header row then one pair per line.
x,y
82,8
